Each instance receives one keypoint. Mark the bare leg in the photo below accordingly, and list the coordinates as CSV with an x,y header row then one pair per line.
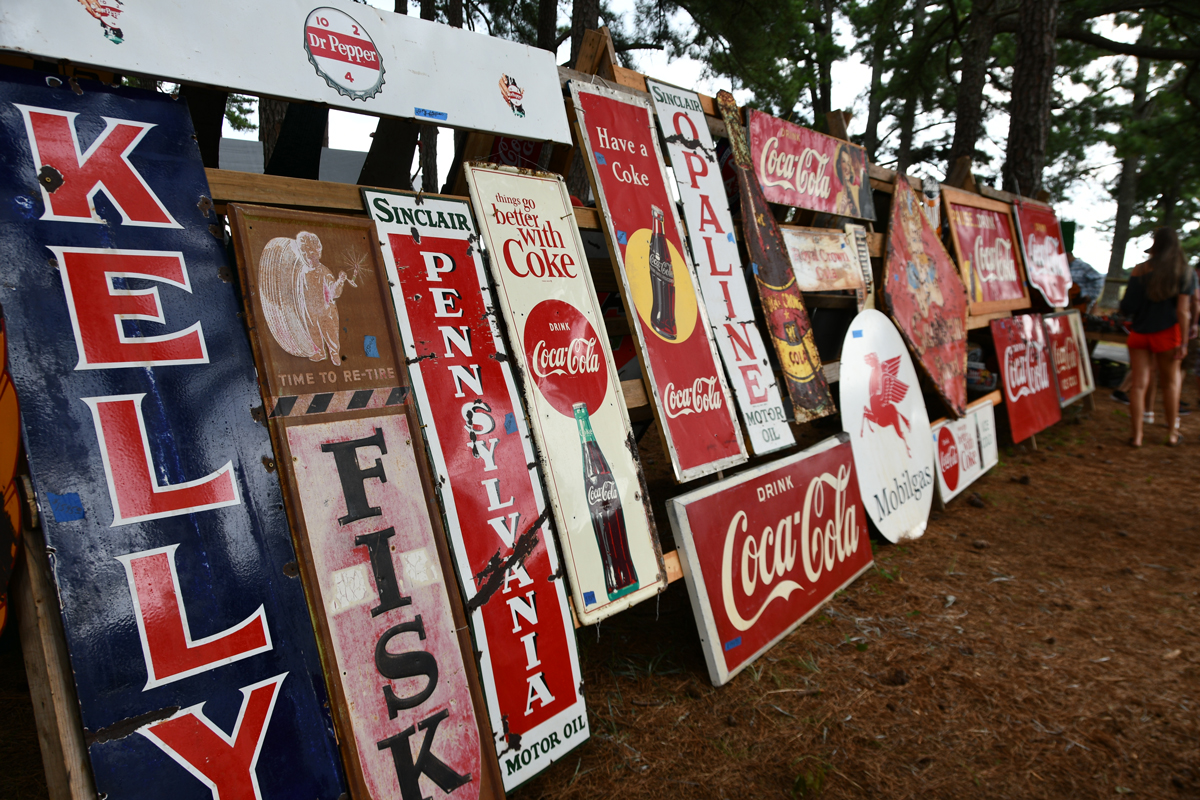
x,y
1140,367
1151,386
1172,381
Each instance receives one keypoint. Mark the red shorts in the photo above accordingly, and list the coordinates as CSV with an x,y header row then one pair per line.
x,y
1160,342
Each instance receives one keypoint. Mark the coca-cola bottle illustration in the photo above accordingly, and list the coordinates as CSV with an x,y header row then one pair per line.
x,y
604,507
662,280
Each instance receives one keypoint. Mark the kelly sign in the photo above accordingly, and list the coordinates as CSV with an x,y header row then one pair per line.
x,y
373,555
989,256
884,413
494,504
762,551
194,659
1069,352
800,167
722,279
1030,391
965,449
577,411
335,52
1045,257
658,283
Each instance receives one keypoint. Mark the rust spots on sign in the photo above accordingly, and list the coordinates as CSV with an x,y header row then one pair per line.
x,y
50,178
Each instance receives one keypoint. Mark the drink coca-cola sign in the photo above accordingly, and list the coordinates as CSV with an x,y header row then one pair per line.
x,y
966,448
884,414
1030,389
800,167
762,551
577,413
670,324
986,246
1045,256
1069,355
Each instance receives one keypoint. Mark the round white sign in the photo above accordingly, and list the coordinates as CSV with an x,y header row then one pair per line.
x,y
343,53
884,413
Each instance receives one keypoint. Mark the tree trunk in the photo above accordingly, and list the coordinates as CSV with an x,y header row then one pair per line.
x,y
270,122
908,116
429,133
823,100
400,7
968,107
1032,91
454,13
547,30
881,36
585,16
1126,192
389,161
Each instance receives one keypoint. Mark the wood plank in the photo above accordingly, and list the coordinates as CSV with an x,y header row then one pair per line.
x,y
875,245
228,186
589,52
674,569
51,681
983,320
1115,338
994,398
629,77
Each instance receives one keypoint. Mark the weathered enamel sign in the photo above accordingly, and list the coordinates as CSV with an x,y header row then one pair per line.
x,y
576,409
658,283
924,296
1027,373
986,247
959,447
800,167
762,551
722,279
335,52
1045,255
857,234
884,413
493,502
783,307
1069,353
193,655
398,656
823,260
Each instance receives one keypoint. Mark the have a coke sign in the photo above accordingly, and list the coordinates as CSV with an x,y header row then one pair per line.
x,y
761,552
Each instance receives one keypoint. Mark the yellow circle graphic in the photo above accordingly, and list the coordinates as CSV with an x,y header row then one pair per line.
x,y
637,267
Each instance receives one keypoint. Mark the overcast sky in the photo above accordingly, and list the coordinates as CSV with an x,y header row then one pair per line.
x,y
1088,203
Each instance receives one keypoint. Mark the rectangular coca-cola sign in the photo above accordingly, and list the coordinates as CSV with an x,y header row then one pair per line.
x,y
577,412
722,279
986,247
493,503
1026,372
800,167
658,283
1069,352
965,448
762,551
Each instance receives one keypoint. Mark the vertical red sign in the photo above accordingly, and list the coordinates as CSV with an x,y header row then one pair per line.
x,y
1069,354
1030,391
1045,255
763,550
494,505
658,283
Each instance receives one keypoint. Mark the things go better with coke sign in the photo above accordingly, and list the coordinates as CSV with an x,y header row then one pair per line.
x,y
762,551
191,647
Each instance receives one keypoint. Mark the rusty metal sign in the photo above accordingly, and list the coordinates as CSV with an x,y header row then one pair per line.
x,y
1069,352
398,654
823,260
858,237
191,649
762,551
577,411
721,277
988,250
1028,374
483,468
783,306
965,449
1045,255
658,283
334,52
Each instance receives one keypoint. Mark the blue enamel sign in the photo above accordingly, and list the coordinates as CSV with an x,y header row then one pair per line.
x,y
191,644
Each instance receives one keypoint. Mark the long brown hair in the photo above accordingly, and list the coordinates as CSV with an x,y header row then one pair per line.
x,y
1166,266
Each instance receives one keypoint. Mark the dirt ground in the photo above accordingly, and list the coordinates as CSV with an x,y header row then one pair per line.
x,y
1046,644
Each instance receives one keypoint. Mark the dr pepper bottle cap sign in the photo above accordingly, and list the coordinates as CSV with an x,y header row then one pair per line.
x,y
343,53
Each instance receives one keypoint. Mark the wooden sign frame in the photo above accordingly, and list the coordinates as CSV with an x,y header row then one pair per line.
x,y
394,400
952,197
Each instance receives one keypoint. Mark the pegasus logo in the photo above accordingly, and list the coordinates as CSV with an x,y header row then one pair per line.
x,y
886,390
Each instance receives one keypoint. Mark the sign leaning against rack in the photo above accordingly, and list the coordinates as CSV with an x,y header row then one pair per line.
x,y
965,449
595,485
373,555
339,53
1027,374
722,280
191,650
762,551
658,283
1045,256
1069,352
493,503
987,247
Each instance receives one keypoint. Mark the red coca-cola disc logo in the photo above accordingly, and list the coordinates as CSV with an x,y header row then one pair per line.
x,y
565,356
948,458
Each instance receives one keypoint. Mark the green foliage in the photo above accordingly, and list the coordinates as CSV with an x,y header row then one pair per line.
x,y
238,108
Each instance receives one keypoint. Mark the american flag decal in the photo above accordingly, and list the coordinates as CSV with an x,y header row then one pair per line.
x,y
333,402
